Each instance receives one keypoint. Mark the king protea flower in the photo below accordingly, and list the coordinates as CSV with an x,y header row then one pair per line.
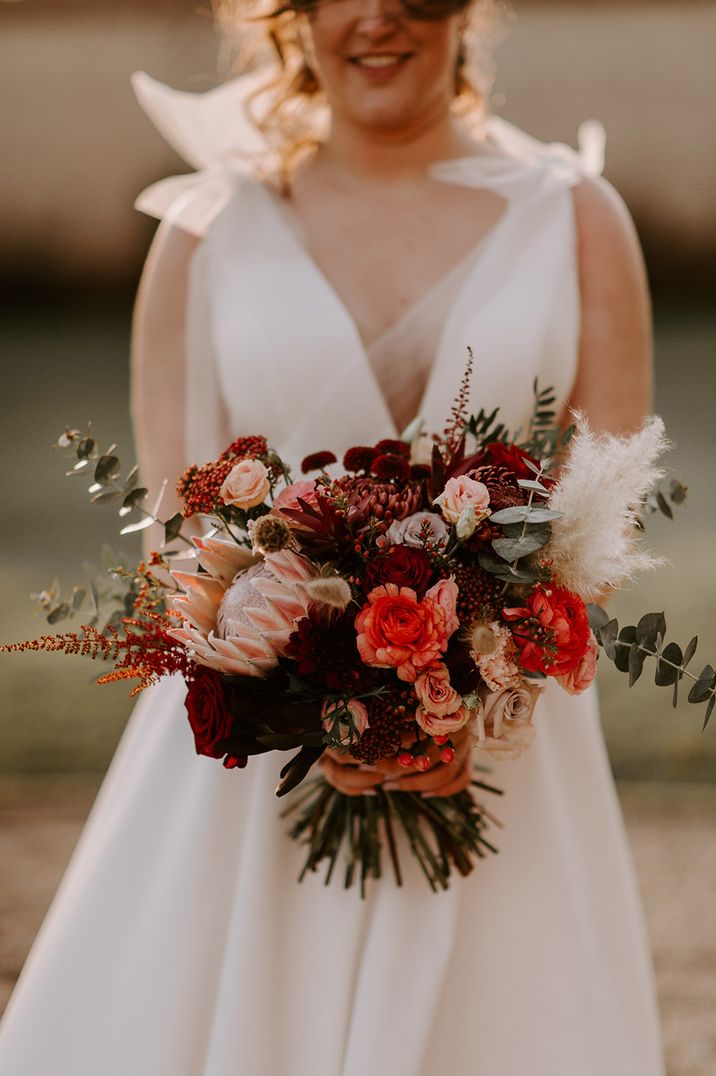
x,y
238,617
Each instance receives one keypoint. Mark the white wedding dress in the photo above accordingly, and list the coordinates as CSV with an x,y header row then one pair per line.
x,y
179,943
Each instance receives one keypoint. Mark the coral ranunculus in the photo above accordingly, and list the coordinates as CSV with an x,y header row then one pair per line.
x,y
551,631
209,717
396,630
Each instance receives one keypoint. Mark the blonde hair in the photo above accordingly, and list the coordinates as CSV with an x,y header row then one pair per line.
x,y
289,108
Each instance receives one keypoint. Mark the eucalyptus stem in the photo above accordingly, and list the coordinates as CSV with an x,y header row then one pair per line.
x,y
656,654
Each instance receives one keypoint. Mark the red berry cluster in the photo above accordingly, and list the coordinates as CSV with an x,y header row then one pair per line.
x,y
199,487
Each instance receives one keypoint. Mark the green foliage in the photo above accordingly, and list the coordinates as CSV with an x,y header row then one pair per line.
x,y
632,646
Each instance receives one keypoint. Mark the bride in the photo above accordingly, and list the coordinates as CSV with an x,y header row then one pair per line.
x,y
318,280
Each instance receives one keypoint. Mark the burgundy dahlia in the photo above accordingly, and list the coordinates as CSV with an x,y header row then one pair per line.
x,y
324,649
390,468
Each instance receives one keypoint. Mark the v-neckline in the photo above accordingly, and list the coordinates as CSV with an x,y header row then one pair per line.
x,y
342,309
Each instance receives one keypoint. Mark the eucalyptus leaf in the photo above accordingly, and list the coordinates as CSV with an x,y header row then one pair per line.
x,y
664,505
135,497
130,479
626,636
78,597
172,527
501,570
523,512
527,483
85,448
702,688
107,496
598,617
636,663
108,467
650,625
677,492
608,637
709,710
514,548
665,674
690,650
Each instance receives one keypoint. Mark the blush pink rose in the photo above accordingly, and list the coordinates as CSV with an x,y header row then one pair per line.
x,y
246,485
578,679
288,497
435,692
396,630
461,493
443,726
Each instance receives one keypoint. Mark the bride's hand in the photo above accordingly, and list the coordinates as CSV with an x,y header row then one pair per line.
x,y
441,779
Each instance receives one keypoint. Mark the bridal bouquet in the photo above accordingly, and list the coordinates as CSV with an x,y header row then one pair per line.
x,y
399,604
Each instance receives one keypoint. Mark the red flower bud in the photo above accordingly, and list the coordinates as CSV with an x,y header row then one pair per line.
x,y
405,759
422,763
447,755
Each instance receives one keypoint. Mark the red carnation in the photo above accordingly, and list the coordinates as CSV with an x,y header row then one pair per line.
x,y
509,456
208,714
390,468
317,461
393,448
400,564
551,631
359,458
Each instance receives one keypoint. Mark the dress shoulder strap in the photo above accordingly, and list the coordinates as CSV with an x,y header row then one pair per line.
x,y
213,134
519,167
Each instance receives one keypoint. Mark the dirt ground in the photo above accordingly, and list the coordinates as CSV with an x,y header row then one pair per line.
x,y
671,830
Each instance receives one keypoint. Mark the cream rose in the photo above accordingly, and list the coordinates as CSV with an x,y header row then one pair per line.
x,y
461,493
246,484
504,720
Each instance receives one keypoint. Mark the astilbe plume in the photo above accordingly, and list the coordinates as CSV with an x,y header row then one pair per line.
x,y
144,652
599,494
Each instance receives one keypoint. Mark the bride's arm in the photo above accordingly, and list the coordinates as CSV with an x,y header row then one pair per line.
x,y
158,374
614,378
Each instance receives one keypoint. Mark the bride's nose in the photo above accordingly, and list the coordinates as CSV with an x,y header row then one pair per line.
x,y
378,17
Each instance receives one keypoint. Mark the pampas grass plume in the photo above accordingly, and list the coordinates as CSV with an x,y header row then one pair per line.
x,y
600,493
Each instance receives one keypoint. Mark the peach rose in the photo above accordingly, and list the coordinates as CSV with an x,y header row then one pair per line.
x,y
443,726
288,497
461,493
578,679
395,630
504,720
344,727
246,484
435,692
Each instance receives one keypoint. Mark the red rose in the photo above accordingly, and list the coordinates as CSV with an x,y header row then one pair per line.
x,y
207,711
510,456
551,631
400,564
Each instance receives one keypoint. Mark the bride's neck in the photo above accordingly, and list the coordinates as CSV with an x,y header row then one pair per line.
x,y
371,154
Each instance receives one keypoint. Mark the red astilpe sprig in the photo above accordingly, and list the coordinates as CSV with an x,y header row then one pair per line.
x,y
459,411
145,652
245,448
199,487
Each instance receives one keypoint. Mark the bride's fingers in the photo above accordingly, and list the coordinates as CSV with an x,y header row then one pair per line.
x,y
457,783
350,780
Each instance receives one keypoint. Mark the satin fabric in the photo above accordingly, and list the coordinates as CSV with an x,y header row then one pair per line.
x,y
179,943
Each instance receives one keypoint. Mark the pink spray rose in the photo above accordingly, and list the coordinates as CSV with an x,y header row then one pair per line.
x,y
246,484
435,692
288,497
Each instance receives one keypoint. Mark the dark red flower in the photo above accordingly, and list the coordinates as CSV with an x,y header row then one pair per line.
x,y
325,651
389,468
209,717
401,564
317,461
244,447
509,456
359,458
551,631
393,448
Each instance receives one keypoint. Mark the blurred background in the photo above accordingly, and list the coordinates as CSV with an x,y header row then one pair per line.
x,y
76,152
